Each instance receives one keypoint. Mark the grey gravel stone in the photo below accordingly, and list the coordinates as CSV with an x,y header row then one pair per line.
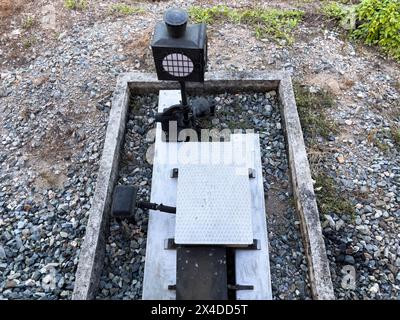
x,y
2,253
349,260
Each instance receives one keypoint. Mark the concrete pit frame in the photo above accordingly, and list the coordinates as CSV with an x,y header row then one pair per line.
x,y
92,252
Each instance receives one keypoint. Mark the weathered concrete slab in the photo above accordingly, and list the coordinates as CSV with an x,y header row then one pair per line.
x,y
252,266
160,264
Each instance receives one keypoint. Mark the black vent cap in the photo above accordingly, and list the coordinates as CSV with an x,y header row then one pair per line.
x,y
176,20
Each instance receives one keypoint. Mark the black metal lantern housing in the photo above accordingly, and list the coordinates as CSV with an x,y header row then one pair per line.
x,y
180,54
179,49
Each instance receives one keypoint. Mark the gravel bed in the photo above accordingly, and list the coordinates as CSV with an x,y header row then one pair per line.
x,y
45,192
122,276
364,247
53,118
363,159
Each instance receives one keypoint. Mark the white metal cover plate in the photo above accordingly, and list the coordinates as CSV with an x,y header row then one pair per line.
x,y
213,205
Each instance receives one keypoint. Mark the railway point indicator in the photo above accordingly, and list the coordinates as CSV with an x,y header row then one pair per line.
x,y
207,233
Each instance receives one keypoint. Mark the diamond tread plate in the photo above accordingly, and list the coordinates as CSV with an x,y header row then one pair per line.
x,y
213,205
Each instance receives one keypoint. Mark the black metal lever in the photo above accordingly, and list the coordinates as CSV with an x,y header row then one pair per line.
x,y
240,287
125,203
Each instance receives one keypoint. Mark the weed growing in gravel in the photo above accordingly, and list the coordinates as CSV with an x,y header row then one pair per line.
x,y
380,25
375,136
28,22
395,130
49,178
329,198
333,10
275,23
75,4
242,123
135,106
124,9
57,35
310,107
28,42
397,84
24,113
342,12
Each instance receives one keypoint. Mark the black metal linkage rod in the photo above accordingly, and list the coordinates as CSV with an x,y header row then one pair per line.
x,y
155,206
183,93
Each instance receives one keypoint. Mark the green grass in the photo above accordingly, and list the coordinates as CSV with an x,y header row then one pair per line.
x,y
274,23
236,108
310,107
56,35
342,12
28,22
397,85
333,10
329,198
380,25
233,125
378,137
395,131
135,106
28,42
374,22
124,9
75,4
384,147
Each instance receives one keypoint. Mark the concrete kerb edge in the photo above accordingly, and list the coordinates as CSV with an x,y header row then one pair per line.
x,y
306,205
92,251
91,256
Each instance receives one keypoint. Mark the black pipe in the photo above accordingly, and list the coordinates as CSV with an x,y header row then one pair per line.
x,y
184,102
155,206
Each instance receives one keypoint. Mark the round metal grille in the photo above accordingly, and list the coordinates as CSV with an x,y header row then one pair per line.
x,y
177,65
